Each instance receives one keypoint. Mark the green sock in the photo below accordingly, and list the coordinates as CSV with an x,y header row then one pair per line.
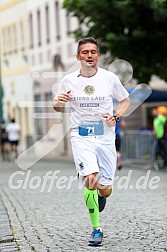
x,y
91,200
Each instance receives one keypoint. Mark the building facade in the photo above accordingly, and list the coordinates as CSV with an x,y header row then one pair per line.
x,y
15,68
52,51
37,49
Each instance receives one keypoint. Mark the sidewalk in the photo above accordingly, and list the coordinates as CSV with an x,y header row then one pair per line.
x,y
7,242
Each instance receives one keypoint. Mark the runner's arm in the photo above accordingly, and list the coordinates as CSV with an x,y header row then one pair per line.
x,y
122,107
59,103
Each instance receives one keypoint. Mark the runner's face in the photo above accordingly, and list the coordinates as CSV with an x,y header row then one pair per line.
x,y
88,55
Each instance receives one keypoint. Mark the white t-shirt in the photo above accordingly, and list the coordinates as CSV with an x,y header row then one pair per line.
x,y
91,98
13,131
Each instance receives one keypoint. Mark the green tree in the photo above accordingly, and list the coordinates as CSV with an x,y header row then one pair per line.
x,y
133,30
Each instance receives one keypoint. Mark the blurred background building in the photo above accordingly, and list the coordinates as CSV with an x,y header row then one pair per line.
x,y
15,67
36,42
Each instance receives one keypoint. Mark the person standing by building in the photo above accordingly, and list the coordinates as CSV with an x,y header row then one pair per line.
x,y
3,140
165,141
159,120
90,92
121,125
13,130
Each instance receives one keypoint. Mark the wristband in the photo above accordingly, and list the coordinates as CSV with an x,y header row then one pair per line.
x,y
117,118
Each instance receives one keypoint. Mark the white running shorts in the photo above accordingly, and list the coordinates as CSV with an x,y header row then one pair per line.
x,y
91,156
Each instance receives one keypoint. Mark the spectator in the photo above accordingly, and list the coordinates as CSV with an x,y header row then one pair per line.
x,y
159,120
13,130
119,126
165,142
3,140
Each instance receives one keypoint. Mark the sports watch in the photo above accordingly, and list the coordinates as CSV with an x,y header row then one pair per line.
x,y
117,118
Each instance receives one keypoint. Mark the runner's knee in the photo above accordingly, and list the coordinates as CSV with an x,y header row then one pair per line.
x,y
105,191
91,181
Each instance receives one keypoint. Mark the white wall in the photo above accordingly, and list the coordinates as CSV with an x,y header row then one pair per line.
x,y
16,77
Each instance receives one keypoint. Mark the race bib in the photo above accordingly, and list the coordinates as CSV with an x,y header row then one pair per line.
x,y
91,128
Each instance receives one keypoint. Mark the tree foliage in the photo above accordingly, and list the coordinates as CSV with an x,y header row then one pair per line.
x,y
133,30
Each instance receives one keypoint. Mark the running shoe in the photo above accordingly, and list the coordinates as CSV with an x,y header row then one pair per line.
x,y
119,167
96,238
102,203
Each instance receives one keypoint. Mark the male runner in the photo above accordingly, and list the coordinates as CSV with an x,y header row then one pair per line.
x,y
90,92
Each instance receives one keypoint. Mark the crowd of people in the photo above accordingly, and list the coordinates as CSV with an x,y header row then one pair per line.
x,y
9,139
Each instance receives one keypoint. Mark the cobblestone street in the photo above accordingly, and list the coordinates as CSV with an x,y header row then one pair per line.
x,y
44,215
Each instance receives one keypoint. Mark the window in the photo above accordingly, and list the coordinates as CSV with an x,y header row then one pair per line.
x,y
47,24
4,41
40,58
12,39
8,40
22,42
68,23
57,20
12,88
31,38
69,50
48,109
33,60
49,97
48,55
39,27
37,84
38,124
38,108
15,38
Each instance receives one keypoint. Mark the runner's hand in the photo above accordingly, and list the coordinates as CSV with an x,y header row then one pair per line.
x,y
64,97
110,120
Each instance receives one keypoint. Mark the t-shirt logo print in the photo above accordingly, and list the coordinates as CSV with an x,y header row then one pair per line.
x,y
89,90
81,165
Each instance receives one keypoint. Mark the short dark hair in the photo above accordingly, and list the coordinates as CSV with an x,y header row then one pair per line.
x,y
85,41
12,120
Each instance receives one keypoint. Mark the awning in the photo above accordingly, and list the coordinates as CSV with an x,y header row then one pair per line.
x,y
157,96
